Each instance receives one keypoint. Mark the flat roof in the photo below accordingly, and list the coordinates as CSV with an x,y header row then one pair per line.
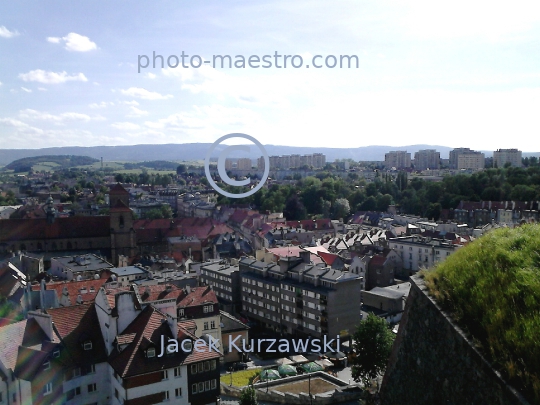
x,y
87,262
128,271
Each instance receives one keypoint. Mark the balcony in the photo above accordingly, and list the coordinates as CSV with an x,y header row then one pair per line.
x,y
324,312
299,304
323,301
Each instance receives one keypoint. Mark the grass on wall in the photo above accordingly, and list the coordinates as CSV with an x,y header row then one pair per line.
x,y
492,287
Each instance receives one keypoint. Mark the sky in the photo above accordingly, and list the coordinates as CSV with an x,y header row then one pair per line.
x,y
458,74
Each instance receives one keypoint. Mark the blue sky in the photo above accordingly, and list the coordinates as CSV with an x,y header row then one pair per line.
x,y
462,73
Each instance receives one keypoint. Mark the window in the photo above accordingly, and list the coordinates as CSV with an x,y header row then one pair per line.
x,y
193,369
213,325
56,353
87,345
117,396
206,366
178,392
207,385
47,365
177,372
77,391
151,352
201,387
181,312
213,365
208,308
165,395
92,387
76,372
205,326
200,367
165,374
92,369
47,389
214,384
194,389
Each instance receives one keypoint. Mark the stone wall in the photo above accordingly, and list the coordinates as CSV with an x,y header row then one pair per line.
x,y
434,362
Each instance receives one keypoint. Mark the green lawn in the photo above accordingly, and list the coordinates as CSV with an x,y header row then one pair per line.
x,y
492,287
240,378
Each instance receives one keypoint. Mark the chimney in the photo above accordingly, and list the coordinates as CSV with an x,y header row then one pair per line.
x,y
188,289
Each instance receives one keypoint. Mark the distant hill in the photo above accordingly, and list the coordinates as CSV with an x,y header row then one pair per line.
x,y
25,164
197,151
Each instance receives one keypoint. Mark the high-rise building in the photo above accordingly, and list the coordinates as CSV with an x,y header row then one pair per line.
x,y
503,156
399,159
427,159
465,158
316,160
243,164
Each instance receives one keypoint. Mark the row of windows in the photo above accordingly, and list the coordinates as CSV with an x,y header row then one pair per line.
x,y
177,371
212,325
77,390
203,366
204,386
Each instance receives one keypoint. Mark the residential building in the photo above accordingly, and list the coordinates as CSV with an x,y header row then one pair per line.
x,y
81,267
503,156
465,158
233,330
299,298
427,159
316,160
29,264
418,252
225,281
399,159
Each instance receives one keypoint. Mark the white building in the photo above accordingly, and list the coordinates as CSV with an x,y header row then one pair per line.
x,y
503,156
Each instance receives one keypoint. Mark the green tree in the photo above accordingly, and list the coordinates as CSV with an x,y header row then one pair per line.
x,y
372,343
341,208
248,396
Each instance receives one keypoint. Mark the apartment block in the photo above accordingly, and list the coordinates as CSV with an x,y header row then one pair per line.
x,y
418,252
465,158
225,281
427,159
298,298
503,156
399,159
316,160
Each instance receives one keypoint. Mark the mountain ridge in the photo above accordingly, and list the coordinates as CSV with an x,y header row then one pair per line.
x,y
197,151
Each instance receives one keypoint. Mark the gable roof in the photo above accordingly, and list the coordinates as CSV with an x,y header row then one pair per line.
x,y
76,325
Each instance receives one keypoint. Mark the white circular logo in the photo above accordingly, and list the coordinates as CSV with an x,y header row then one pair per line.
x,y
221,166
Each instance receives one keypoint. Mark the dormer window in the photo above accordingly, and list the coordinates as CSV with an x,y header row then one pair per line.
x,y
181,312
151,352
47,365
56,353
87,345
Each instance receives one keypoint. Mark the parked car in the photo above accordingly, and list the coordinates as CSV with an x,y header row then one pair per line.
x,y
239,366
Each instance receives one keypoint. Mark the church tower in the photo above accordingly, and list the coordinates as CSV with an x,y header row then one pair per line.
x,y
122,232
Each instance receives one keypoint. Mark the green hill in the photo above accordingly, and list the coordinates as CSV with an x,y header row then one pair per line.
x,y
60,161
492,288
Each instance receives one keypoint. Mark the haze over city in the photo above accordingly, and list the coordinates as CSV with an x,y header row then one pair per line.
x,y
464,74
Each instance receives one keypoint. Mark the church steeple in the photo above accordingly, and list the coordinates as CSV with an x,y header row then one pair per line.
x,y
50,211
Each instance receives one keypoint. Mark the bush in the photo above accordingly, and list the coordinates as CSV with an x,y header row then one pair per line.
x,y
492,287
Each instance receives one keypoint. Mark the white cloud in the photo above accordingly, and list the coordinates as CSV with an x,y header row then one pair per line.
x,y
136,112
0,83
103,104
74,42
150,75
58,119
26,90
132,102
20,126
41,76
145,94
42,89
125,126
4,32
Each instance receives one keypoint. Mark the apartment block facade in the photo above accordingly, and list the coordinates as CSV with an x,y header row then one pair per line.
x,y
418,252
427,159
503,156
299,298
399,159
316,160
465,158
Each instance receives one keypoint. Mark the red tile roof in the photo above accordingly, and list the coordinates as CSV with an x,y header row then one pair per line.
x,y
329,258
149,327
62,228
75,325
74,288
